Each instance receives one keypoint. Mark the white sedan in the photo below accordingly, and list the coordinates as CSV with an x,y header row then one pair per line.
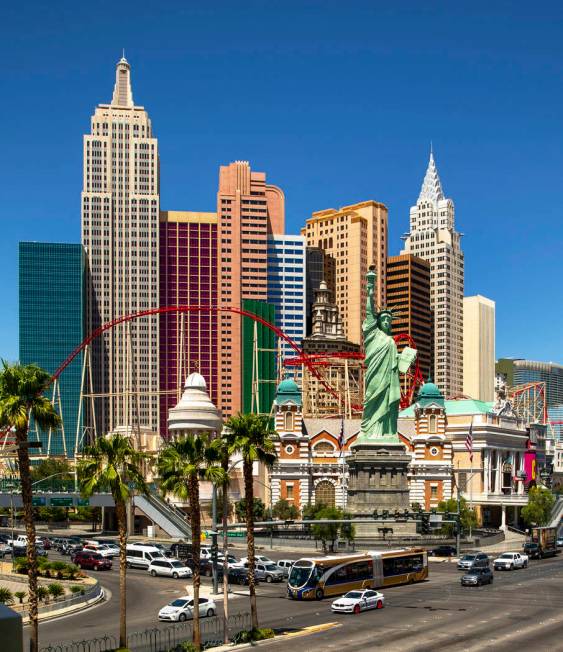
x,y
356,601
182,609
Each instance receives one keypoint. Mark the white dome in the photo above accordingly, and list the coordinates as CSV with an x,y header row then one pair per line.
x,y
195,410
196,380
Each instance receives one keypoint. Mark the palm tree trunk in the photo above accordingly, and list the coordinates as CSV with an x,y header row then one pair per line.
x,y
225,465
193,489
121,514
249,496
26,491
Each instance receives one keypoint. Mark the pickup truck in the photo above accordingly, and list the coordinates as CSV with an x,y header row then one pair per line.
x,y
510,561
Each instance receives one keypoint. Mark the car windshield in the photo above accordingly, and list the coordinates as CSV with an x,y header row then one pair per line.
x,y
506,556
354,594
300,573
177,564
180,603
271,567
468,558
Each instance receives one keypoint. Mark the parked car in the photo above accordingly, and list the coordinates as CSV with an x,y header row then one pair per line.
x,y
477,577
443,551
510,561
559,542
473,560
101,548
142,555
532,550
285,566
5,549
236,575
169,568
231,560
89,560
182,609
258,559
356,601
166,551
46,543
20,550
268,572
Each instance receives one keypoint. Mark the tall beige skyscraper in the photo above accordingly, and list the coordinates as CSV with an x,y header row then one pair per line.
x,y
433,237
120,231
479,348
351,238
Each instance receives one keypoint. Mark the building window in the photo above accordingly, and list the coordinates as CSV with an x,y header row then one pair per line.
x,y
432,422
325,494
289,449
289,492
434,451
433,491
324,449
289,421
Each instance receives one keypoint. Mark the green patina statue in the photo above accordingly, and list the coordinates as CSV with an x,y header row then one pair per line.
x,y
383,364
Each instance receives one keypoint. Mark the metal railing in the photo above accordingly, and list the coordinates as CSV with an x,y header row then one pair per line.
x,y
161,640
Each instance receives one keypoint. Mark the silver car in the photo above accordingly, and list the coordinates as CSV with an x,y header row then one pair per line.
x,y
285,566
268,572
473,560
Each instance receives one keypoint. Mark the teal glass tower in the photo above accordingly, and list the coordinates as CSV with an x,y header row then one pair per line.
x,y
51,294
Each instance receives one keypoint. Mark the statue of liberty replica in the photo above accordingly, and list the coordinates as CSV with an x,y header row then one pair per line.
x,y
378,463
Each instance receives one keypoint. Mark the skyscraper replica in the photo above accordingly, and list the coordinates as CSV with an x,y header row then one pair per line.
x,y
248,211
479,348
433,237
120,231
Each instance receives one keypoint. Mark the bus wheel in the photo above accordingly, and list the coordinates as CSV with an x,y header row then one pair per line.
x,y
411,579
319,595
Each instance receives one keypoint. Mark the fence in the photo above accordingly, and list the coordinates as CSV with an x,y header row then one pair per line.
x,y
161,639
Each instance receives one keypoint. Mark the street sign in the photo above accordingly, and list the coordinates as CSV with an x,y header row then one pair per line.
x,y
61,501
39,501
83,502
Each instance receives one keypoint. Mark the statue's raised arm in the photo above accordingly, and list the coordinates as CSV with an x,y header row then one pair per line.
x,y
371,277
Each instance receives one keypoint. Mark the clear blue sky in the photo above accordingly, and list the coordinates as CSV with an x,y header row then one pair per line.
x,y
336,101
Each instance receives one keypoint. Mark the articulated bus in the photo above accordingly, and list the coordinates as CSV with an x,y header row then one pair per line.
x,y
314,578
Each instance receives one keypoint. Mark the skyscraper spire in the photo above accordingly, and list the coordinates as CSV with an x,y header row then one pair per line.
x,y
431,186
122,93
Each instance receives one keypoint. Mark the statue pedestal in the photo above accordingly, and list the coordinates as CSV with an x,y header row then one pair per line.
x,y
378,480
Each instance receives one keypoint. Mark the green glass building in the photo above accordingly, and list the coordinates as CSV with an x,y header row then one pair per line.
x,y
265,357
51,294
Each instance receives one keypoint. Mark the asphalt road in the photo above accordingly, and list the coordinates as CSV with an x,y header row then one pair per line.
x,y
522,610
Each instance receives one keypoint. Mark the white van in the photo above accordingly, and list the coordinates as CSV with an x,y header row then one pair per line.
x,y
140,555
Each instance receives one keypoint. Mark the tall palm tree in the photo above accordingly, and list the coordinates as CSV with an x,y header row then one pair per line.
x,y
21,397
181,465
250,435
112,464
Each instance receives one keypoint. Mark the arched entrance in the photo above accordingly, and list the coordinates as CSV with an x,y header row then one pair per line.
x,y
325,494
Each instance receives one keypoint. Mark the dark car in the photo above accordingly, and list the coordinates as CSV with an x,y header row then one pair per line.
x,y
88,560
477,577
532,550
21,551
443,551
235,576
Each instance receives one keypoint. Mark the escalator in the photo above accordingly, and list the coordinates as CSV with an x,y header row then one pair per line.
x,y
169,518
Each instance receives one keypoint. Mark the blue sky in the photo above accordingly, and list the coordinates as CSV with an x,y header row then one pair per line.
x,y
336,101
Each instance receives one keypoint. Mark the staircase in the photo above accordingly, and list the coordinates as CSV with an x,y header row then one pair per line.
x,y
170,519
556,513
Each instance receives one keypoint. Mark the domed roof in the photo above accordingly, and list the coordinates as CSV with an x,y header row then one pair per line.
x,y
196,380
430,393
288,390
195,410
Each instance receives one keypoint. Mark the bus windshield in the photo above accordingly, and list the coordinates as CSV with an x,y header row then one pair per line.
x,y
300,573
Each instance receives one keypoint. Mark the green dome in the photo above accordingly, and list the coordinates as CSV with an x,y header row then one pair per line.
x,y
288,390
430,393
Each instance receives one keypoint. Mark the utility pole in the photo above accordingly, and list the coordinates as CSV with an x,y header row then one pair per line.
x,y
214,547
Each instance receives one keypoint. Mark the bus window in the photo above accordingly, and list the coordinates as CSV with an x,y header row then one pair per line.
x,y
402,565
339,576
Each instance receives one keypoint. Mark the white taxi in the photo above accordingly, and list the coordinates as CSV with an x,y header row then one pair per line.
x,y
356,601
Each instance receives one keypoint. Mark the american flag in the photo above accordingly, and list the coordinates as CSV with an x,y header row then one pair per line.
x,y
469,442
341,437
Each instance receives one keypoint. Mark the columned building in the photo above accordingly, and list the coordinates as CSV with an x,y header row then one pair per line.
x,y
432,236
354,237
120,232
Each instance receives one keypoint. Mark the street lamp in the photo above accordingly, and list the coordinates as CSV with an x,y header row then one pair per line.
x,y
11,487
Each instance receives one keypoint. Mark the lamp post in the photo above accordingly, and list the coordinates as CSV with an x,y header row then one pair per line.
x,y
11,486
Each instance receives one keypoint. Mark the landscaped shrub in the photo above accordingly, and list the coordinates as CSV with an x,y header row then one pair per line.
x,y
20,595
251,635
56,590
57,569
75,589
43,593
6,596
22,565
71,571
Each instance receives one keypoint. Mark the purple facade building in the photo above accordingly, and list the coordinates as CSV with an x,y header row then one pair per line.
x,y
188,277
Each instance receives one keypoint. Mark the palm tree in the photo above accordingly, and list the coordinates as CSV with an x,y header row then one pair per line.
x,y
112,464
250,435
181,465
21,398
